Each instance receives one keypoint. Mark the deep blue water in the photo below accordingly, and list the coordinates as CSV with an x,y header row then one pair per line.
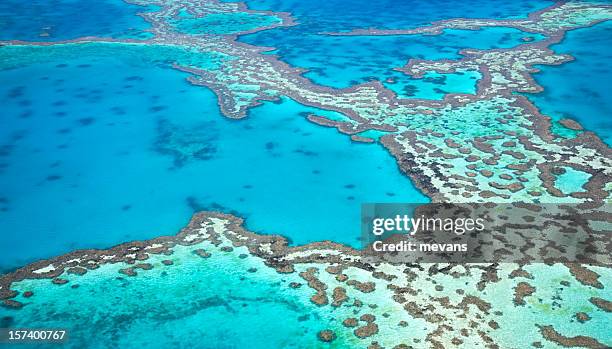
x,y
343,15
53,20
581,89
132,151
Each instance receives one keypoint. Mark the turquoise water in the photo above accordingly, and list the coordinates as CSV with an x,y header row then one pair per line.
x,y
134,54
102,143
581,89
571,181
46,20
187,304
229,301
342,61
133,150
433,85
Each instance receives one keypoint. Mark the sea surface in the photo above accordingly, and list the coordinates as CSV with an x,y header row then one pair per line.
x,y
322,16
54,20
101,150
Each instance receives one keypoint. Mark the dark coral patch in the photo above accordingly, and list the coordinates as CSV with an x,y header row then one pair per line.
x,y
157,108
86,121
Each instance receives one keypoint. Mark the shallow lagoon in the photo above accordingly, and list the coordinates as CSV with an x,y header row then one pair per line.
x,y
224,23
189,302
101,150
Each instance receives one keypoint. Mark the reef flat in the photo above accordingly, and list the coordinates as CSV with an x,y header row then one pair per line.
x,y
502,154
492,145
342,299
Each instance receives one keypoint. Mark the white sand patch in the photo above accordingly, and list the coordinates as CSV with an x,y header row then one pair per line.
x,y
45,270
154,246
302,254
